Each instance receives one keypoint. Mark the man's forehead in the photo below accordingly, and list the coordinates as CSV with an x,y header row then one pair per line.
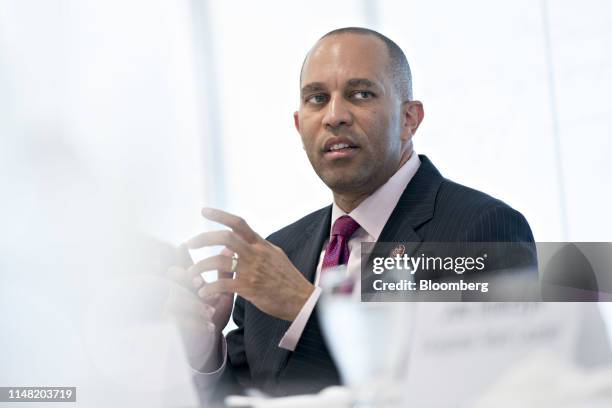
x,y
355,55
348,41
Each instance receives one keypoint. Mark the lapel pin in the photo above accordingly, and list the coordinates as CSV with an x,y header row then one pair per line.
x,y
398,251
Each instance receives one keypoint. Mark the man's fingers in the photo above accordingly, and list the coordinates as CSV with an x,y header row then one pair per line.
x,y
218,262
179,275
227,252
237,224
184,258
226,238
225,275
222,263
218,286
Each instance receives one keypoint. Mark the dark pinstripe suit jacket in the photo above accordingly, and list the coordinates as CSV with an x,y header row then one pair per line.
x,y
431,208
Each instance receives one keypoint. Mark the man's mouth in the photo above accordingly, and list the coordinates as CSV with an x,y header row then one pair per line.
x,y
340,146
340,150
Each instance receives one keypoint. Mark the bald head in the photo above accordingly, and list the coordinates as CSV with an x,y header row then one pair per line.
x,y
398,67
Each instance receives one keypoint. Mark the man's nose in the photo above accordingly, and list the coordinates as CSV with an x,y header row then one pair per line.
x,y
338,113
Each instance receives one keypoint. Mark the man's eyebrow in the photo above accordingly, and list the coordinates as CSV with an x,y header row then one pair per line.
x,y
312,87
361,83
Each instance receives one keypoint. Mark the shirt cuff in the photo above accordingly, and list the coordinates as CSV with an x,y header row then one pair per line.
x,y
293,334
206,381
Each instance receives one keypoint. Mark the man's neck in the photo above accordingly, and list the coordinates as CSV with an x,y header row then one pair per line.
x,y
349,202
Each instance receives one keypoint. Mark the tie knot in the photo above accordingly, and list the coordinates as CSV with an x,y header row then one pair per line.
x,y
345,226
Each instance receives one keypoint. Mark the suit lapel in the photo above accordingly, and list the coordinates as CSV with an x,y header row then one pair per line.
x,y
305,258
415,207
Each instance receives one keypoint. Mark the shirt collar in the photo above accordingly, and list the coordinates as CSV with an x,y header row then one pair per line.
x,y
373,212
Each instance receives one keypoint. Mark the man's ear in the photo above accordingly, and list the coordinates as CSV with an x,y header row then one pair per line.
x,y
296,121
412,116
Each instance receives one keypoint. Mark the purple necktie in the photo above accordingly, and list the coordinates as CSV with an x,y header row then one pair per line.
x,y
337,252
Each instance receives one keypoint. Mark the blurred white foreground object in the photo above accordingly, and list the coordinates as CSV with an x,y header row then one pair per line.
x,y
469,347
337,397
369,341
542,380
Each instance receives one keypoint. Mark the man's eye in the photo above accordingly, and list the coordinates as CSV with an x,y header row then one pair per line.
x,y
316,99
363,95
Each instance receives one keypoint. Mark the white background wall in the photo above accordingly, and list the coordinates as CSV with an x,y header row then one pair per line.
x,y
175,104
521,117
516,94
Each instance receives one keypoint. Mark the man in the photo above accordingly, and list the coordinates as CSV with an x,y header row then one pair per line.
x,y
356,119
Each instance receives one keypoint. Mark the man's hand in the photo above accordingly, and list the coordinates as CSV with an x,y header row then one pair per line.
x,y
263,275
200,321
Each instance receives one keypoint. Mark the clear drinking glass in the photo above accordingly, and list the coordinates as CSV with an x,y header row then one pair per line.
x,y
369,341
